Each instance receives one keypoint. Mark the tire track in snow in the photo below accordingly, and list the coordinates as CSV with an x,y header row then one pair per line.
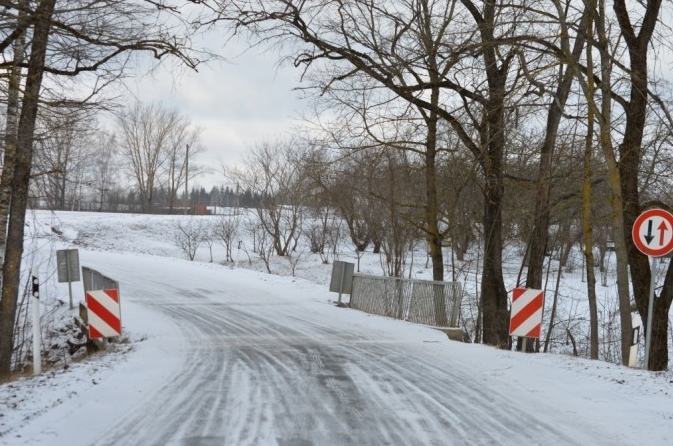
x,y
259,371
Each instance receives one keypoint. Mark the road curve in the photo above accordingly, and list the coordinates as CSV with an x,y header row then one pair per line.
x,y
264,369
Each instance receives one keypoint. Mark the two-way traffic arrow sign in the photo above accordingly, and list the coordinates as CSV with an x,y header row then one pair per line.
x,y
653,232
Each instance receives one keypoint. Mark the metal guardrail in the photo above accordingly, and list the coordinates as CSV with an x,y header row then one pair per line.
x,y
93,280
420,301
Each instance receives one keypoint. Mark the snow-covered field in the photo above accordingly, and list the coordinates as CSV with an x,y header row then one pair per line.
x,y
400,383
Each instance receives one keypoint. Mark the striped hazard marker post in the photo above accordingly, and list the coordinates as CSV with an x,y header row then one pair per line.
x,y
526,315
103,313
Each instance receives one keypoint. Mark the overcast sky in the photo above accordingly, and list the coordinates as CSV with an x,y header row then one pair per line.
x,y
238,102
246,99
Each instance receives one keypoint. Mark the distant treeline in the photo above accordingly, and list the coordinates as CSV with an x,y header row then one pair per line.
x,y
130,201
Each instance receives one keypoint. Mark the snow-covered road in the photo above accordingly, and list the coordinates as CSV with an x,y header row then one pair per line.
x,y
263,367
234,357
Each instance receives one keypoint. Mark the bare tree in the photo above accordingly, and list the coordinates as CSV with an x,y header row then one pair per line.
x,y
209,238
11,130
321,212
182,147
318,231
273,173
189,235
539,236
23,159
351,195
145,131
489,64
293,259
103,169
637,39
387,54
64,151
264,245
392,187
587,227
158,144
225,230
88,38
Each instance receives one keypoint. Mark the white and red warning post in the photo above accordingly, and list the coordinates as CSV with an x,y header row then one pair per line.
x,y
526,314
103,313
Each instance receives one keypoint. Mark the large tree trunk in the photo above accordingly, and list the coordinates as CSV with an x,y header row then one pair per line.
x,y
494,299
587,226
540,234
659,343
11,129
431,221
630,156
431,214
616,200
493,293
23,160
431,118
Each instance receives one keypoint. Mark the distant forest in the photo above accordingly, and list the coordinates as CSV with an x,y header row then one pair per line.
x,y
131,201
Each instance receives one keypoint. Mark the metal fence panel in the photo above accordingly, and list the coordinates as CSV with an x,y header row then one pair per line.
x,y
420,301
93,280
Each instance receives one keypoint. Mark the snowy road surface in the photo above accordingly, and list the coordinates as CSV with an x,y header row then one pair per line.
x,y
246,362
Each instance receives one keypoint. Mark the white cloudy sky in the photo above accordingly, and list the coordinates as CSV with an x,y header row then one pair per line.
x,y
247,98
237,102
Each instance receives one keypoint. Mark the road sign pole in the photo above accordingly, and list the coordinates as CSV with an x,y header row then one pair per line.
x,y
652,234
67,261
67,266
37,333
650,311
341,283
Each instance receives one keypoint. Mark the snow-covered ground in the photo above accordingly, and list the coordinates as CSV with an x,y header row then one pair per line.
x,y
214,354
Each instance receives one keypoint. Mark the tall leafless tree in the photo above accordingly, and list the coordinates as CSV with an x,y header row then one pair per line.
x,y
273,172
23,159
155,143
637,33
104,167
89,38
182,148
64,150
375,40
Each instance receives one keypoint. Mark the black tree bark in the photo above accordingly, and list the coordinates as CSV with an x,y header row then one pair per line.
x,y
630,156
22,165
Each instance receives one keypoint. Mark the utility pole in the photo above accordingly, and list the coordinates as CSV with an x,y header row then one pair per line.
x,y
187,180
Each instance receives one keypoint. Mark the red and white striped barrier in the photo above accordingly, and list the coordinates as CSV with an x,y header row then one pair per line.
x,y
103,313
526,315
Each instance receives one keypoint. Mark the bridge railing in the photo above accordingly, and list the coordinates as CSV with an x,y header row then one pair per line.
x,y
420,301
